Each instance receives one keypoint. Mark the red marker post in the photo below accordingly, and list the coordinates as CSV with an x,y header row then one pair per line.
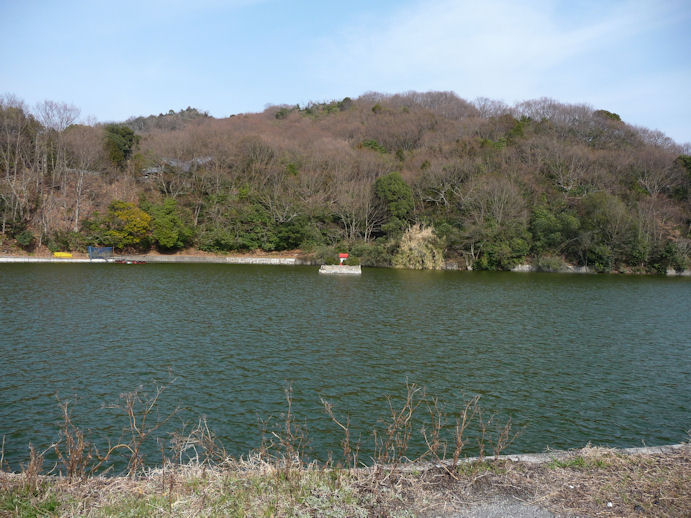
x,y
342,257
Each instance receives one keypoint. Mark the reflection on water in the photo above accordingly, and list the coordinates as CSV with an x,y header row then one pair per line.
x,y
572,358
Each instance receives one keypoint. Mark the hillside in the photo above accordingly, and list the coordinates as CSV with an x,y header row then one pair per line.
x,y
407,180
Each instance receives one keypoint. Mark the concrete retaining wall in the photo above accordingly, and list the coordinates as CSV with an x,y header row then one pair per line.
x,y
542,458
682,273
187,259
285,261
567,269
584,269
45,260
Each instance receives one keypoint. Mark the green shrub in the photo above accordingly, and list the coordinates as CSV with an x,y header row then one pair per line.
x,y
550,230
326,255
667,257
282,113
345,104
125,226
601,258
605,114
550,263
292,234
25,239
501,254
312,237
67,241
373,145
217,239
378,253
169,231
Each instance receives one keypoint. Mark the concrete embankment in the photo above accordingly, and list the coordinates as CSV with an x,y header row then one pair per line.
x,y
527,268
187,259
46,260
549,456
285,261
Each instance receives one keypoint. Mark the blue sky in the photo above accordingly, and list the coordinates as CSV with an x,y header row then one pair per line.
x,y
118,59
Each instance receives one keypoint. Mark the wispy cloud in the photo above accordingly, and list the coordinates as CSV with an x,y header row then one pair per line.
x,y
630,56
503,49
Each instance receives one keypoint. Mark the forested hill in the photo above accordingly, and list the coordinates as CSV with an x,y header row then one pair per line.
x,y
408,180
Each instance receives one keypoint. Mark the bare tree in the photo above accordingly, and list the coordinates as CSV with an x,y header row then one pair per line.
x,y
56,118
83,144
490,108
357,209
654,171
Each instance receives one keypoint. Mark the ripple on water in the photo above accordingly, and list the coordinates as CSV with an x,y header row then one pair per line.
x,y
572,358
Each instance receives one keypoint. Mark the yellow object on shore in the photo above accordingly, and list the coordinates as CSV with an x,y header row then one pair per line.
x,y
65,255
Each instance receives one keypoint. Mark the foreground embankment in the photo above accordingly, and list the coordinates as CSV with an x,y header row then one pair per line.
x,y
589,482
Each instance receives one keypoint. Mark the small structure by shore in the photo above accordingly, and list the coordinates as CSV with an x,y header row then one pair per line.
x,y
340,269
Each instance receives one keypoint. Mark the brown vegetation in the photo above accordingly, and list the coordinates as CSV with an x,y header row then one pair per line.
x,y
497,183
592,482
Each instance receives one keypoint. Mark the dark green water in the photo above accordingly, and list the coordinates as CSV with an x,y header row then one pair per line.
x,y
570,358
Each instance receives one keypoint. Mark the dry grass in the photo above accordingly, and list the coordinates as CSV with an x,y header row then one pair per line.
x,y
585,482
589,482
635,485
240,488
419,250
197,477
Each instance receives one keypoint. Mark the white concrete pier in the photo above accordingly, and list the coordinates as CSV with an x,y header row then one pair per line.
x,y
338,269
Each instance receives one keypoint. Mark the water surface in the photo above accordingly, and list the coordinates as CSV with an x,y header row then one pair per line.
x,y
571,359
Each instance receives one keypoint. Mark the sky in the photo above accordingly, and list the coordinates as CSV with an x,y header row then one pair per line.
x,y
114,60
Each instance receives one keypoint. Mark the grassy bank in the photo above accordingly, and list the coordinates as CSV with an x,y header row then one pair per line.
x,y
591,482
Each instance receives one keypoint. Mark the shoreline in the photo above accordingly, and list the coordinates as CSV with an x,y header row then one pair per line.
x,y
281,259
285,261
268,259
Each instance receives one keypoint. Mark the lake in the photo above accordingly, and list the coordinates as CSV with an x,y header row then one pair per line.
x,y
571,359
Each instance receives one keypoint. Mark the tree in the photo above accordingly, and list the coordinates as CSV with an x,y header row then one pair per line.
x,y
606,230
56,117
124,226
494,223
168,229
653,170
357,210
607,115
553,230
19,180
396,196
85,154
120,142
569,167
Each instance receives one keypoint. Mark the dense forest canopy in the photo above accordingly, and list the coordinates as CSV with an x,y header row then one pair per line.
x,y
407,180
